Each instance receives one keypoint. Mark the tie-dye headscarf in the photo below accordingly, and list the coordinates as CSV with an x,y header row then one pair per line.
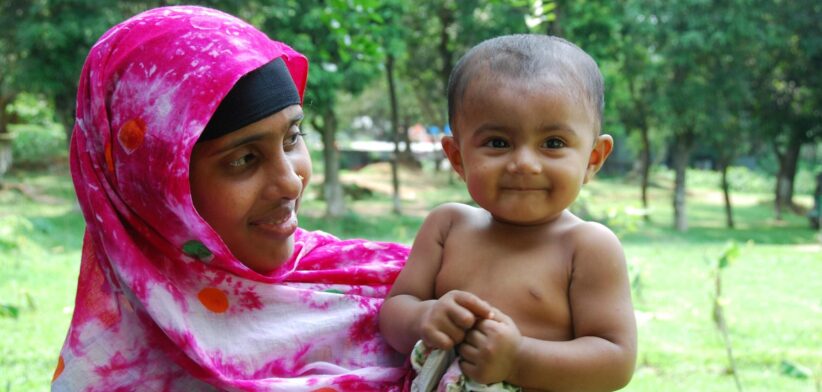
x,y
161,302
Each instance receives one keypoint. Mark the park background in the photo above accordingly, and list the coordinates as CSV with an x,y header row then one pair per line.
x,y
715,106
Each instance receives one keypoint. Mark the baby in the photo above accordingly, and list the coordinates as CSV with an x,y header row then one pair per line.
x,y
527,293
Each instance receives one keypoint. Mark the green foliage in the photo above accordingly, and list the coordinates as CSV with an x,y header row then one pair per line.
x,y
9,311
35,145
795,370
748,87
14,229
29,108
622,219
728,256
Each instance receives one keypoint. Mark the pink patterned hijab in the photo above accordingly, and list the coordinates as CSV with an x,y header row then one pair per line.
x,y
161,302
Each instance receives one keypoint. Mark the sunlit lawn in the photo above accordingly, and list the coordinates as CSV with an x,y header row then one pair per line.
x,y
773,293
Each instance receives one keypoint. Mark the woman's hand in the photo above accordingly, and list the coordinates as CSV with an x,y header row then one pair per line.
x,y
488,354
448,318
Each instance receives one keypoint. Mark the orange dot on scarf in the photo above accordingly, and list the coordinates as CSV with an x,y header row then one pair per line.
x,y
325,389
132,133
60,366
109,158
213,299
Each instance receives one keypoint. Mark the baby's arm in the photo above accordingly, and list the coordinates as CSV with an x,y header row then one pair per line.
x,y
411,311
601,356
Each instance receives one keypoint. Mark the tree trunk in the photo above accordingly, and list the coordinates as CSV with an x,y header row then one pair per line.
x,y
6,158
446,15
555,26
332,189
406,138
680,159
64,109
395,134
645,157
5,99
729,214
788,161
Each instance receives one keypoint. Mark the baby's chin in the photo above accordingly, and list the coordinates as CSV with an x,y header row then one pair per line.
x,y
525,219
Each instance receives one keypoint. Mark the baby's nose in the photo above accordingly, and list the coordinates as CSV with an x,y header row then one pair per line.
x,y
525,161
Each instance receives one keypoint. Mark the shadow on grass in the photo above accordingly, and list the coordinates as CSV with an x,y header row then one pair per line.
x,y
766,234
47,233
64,230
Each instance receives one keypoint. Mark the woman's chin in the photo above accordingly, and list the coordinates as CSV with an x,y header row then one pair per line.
x,y
266,261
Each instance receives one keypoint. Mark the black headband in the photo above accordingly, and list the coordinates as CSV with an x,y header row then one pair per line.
x,y
258,94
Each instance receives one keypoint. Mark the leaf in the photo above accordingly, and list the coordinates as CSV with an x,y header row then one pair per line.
x,y
9,311
729,255
795,370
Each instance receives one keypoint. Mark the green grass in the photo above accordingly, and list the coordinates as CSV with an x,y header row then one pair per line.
x,y
40,245
773,293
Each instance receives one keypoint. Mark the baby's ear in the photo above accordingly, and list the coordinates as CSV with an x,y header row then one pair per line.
x,y
602,148
452,151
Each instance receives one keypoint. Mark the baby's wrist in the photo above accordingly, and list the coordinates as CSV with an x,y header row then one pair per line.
x,y
515,371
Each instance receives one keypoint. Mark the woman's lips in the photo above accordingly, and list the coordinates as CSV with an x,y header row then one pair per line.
x,y
281,223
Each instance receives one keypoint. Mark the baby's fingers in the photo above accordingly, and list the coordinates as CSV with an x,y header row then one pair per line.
x,y
475,305
438,339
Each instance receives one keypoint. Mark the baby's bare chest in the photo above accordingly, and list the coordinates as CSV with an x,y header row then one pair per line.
x,y
527,279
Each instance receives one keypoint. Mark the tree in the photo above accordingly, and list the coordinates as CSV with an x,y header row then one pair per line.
x,y
337,36
54,37
440,32
788,86
635,84
9,56
728,119
391,37
50,40
683,38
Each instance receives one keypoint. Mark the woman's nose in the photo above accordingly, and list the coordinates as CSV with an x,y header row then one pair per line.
x,y
525,161
283,181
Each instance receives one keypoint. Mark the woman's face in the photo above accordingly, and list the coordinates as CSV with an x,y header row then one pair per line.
x,y
247,185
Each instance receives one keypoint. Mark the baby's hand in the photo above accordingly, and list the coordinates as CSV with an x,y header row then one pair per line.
x,y
488,354
444,324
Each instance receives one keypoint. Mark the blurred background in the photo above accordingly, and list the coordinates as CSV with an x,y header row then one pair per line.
x,y
714,185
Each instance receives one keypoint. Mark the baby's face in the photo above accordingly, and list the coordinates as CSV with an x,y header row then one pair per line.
x,y
247,186
523,147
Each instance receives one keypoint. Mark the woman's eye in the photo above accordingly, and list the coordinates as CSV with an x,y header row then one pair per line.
x,y
244,160
497,143
293,138
554,143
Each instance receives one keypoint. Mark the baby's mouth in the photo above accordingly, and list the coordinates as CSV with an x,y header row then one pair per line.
x,y
524,188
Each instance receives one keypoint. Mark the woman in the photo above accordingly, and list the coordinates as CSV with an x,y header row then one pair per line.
x,y
189,164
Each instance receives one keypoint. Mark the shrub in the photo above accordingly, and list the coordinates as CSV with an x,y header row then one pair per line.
x,y
37,145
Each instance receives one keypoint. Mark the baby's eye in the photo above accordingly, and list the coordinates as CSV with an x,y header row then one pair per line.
x,y
554,143
497,143
244,160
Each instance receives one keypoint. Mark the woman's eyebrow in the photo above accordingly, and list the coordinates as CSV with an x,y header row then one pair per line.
x,y
239,142
257,136
297,117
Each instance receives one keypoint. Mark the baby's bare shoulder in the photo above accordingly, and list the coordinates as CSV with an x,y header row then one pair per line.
x,y
454,212
596,243
591,231
597,247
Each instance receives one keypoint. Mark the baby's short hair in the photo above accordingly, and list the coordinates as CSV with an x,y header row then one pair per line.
x,y
530,55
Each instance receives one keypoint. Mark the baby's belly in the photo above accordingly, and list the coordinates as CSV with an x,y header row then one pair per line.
x,y
540,310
